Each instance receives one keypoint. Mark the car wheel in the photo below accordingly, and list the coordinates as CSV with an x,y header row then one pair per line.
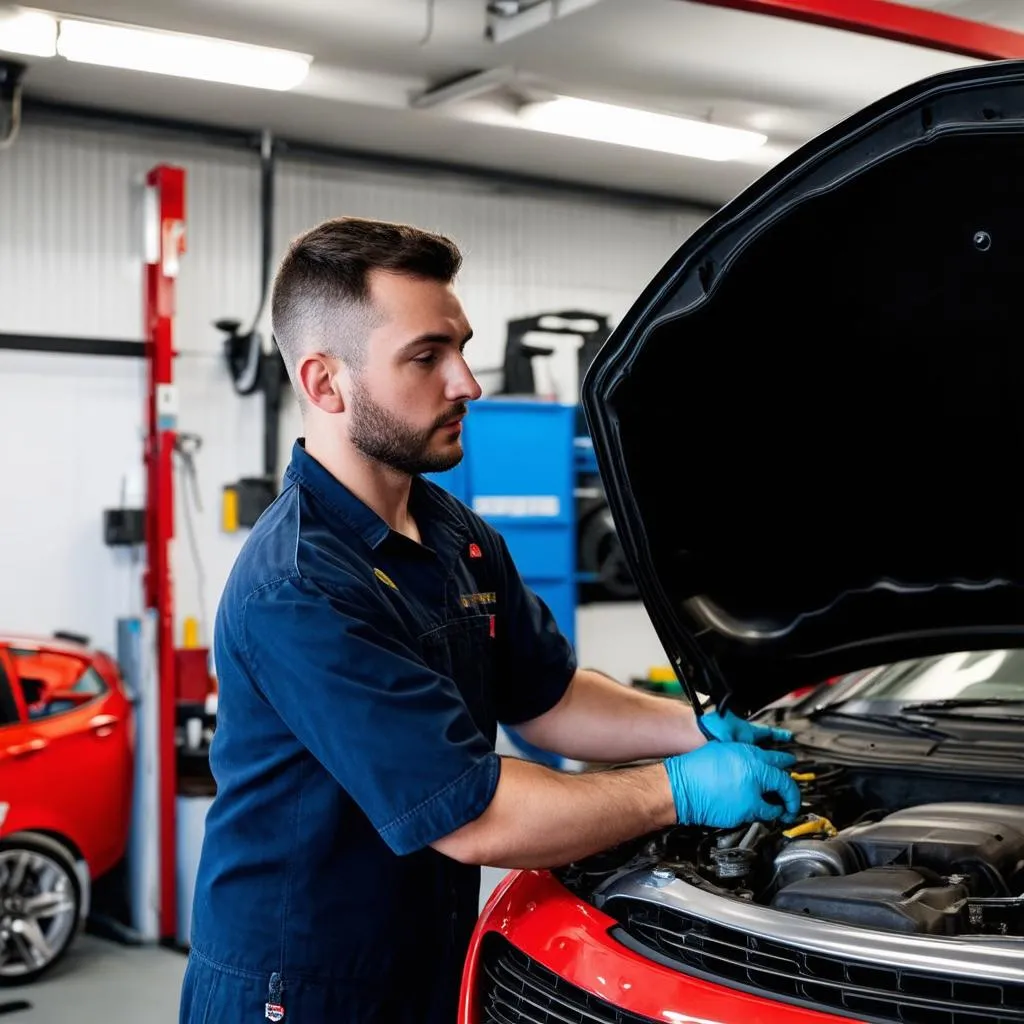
x,y
40,900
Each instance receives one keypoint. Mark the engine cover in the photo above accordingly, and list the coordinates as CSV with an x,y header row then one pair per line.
x,y
984,842
892,899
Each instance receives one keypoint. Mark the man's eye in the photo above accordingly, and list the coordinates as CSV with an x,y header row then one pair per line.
x,y
426,359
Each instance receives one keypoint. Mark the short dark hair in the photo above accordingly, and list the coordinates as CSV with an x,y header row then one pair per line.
x,y
321,292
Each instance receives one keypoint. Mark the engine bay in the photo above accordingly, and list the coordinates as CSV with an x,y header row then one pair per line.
x,y
941,867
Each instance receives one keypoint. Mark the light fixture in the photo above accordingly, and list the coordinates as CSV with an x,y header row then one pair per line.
x,y
32,33
181,55
643,129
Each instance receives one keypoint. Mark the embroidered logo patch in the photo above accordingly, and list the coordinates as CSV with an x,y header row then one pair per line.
x,y
472,600
475,552
274,1011
385,578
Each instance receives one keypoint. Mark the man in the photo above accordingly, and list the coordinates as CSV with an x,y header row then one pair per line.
x,y
371,635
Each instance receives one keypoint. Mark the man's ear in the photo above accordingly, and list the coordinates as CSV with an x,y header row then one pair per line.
x,y
318,377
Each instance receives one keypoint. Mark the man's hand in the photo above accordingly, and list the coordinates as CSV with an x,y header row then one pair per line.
x,y
730,728
724,785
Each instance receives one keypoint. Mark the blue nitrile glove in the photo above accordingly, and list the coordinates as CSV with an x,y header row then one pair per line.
x,y
730,728
724,785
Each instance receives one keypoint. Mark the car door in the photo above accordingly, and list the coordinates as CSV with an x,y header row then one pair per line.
x,y
18,744
74,763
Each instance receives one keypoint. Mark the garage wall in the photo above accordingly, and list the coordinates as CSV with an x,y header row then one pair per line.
x,y
70,427
70,263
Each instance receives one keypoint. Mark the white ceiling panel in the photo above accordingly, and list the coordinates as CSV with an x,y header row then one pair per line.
x,y
373,57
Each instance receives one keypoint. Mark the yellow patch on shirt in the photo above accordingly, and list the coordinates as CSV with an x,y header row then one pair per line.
x,y
469,600
385,578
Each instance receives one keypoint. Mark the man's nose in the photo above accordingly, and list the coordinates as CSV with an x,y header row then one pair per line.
x,y
462,385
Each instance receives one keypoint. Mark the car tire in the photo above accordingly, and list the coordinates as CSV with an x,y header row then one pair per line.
x,y
36,867
601,554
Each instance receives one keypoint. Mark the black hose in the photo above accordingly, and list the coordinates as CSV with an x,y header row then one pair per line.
x,y
267,175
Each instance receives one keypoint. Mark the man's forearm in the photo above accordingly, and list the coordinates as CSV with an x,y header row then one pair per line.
x,y
600,720
539,818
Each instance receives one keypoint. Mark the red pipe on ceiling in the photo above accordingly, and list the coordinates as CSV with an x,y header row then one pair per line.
x,y
889,20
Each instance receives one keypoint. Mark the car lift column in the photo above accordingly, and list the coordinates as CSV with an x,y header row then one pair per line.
x,y
165,243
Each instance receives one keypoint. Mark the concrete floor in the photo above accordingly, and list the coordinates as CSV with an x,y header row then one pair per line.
x,y
101,982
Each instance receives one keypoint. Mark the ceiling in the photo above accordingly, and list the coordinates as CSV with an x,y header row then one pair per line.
x,y
786,78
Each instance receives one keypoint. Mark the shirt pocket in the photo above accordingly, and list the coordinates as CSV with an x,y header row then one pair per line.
x,y
463,650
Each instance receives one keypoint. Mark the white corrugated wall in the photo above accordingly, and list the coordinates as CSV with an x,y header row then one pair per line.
x,y
70,263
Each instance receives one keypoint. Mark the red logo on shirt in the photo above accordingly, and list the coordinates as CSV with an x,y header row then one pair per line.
x,y
475,552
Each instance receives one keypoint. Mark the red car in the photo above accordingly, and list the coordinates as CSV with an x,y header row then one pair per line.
x,y
66,775
803,428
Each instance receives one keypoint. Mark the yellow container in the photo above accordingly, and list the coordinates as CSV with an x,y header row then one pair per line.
x,y
661,674
191,630
229,510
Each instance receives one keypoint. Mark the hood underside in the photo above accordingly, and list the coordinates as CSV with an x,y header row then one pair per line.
x,y
810,424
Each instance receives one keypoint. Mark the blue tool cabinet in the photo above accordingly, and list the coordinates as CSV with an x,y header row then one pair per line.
x,y
519,474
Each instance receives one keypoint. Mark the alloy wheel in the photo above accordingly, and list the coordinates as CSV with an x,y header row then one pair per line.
x,y
39,907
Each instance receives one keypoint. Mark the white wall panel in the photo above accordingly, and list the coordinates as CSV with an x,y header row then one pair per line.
x,y
70,263
524,254
70,426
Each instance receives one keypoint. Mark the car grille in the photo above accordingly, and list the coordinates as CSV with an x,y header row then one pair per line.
x,y
517,990
787,973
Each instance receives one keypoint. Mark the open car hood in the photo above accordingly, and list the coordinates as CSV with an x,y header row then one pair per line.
x,y
811,423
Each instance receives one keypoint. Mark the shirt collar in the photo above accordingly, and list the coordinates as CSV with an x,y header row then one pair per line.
x,y
439,529
306,471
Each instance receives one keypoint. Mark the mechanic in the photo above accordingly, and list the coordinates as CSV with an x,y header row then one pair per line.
x,y
372,634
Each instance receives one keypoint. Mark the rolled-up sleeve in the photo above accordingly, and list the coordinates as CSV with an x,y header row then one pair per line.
x,y
536,661
339,668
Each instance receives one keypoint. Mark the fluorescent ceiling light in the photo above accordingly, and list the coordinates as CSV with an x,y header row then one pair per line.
x,y
644,129
184,56
29,32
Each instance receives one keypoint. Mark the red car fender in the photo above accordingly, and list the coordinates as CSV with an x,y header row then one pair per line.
x,y
548,923
31,817
469,994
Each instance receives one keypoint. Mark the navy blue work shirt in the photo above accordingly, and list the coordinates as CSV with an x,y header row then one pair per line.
x,y
361,677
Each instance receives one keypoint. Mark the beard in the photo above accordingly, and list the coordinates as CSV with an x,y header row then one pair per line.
x,y
381,435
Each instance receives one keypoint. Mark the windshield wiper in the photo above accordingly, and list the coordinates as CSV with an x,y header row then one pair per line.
x,y
904,725
954,703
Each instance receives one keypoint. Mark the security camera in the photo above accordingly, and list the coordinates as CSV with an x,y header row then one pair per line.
x,y
11,72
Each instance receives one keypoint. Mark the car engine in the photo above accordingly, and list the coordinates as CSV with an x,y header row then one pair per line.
x,y
942,869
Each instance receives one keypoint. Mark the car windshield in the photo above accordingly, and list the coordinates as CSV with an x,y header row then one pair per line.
x,y
967,682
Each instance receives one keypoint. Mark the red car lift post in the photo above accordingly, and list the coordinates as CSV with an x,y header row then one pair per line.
x,y
901,22
165,243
